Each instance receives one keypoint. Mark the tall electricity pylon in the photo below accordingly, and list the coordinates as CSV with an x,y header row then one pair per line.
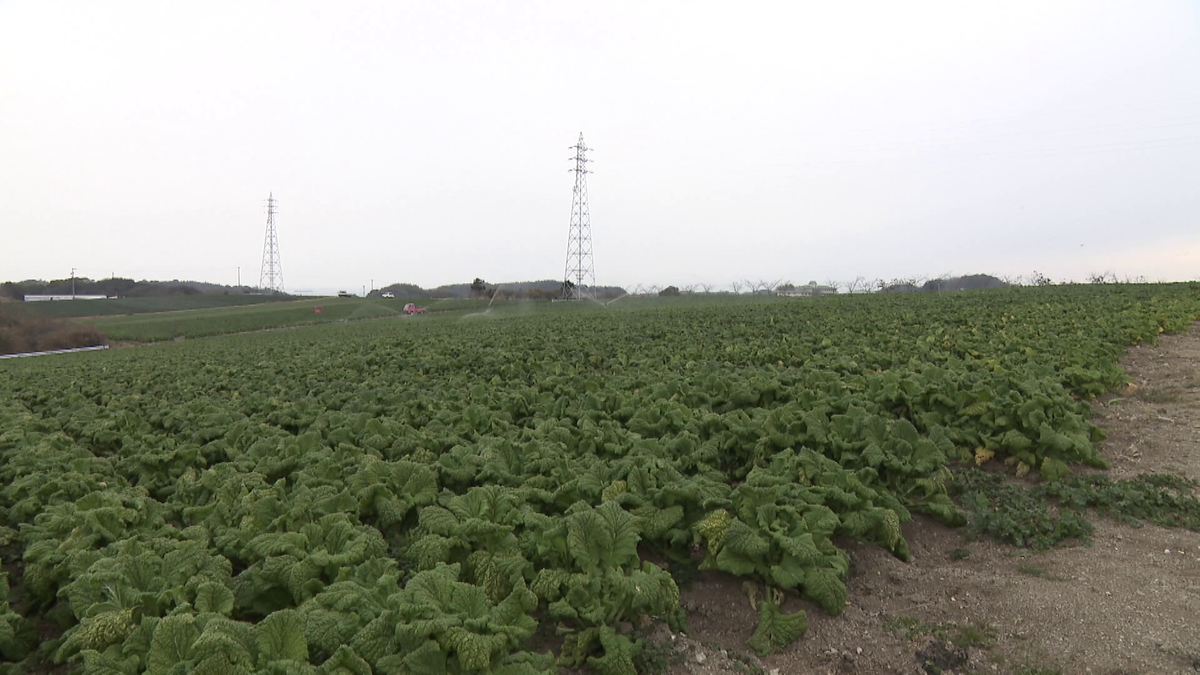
x,y
579,281
271,278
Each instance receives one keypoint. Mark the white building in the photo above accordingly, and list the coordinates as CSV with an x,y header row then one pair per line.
x,y
809,290
47,298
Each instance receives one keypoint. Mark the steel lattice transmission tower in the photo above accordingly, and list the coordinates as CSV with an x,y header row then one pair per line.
x,y
579,281
271,278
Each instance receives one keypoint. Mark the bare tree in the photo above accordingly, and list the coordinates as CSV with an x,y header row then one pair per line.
x,y
707,288
689,289
737,287
1106,277
834,284
941,282
764,286
857,283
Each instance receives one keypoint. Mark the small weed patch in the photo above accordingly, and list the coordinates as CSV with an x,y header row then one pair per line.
x,y
742,662
684,572
1160,395
1044,515
974,634
1016,514
656,658
1032,570
1160,499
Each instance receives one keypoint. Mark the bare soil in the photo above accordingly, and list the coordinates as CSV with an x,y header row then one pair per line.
x,y
1127,603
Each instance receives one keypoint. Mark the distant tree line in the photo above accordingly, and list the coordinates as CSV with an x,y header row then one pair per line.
x,y
970,282
860,284
115,287
545,289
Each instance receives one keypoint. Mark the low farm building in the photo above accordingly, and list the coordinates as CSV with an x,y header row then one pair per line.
x,y
809,290
47,298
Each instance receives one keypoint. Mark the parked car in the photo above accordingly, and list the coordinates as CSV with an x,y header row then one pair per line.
x,y
389,294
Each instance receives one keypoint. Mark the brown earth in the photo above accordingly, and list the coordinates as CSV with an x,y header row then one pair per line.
x,y
1127,603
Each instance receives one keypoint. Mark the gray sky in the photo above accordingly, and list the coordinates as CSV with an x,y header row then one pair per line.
x,y
427,142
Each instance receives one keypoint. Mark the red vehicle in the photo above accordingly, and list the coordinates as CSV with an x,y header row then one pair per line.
x,y
411,309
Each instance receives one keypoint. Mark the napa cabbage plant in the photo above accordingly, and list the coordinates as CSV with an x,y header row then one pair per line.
x,y
477,530
11,647
593,579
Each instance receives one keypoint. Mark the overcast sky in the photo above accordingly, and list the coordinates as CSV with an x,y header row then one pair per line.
x,y
427,142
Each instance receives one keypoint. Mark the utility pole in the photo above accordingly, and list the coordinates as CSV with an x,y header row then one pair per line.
x,y
579,280
271,277
239,276
72,283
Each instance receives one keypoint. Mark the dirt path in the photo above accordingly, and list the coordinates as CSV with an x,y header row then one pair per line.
x,y
1128,603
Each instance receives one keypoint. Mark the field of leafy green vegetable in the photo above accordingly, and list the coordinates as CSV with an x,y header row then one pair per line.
x,y
508,493
162,326
63,309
